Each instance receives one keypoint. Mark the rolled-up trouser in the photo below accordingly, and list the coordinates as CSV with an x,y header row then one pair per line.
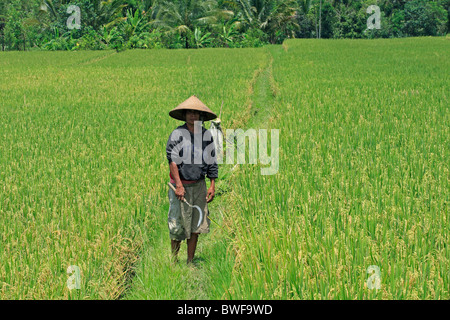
x,y
184,220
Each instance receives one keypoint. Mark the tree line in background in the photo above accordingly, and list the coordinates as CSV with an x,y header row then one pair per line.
x,y
148,24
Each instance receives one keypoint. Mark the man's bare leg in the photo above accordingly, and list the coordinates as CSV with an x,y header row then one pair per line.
x,y
191,246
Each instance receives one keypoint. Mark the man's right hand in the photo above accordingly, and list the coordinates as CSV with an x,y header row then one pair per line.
x,y
180,192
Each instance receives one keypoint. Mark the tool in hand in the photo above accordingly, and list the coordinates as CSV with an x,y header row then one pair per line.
x,y
185,201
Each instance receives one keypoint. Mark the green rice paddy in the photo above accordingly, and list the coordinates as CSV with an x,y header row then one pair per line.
x,y
363,175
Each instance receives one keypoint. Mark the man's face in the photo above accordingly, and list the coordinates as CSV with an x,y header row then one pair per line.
x,y
192,116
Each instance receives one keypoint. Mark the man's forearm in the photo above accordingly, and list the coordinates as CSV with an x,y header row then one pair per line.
x,y
175,174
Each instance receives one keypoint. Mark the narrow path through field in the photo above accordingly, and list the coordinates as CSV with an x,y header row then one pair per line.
x,y
104,56
156,276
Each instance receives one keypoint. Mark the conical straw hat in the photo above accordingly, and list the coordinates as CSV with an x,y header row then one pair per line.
x,y
193,103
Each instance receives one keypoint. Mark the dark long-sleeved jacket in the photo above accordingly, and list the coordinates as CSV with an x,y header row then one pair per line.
x,y
190,169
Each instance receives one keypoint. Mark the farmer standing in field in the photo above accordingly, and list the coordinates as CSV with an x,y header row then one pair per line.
x,y
191,156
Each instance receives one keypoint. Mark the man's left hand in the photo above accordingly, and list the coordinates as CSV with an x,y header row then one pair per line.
x,y
210,194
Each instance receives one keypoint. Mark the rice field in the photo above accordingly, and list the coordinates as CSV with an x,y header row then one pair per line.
x,y
83,169
363,175
363,180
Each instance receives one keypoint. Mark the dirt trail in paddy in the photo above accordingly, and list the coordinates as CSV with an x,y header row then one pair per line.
x,y
156,276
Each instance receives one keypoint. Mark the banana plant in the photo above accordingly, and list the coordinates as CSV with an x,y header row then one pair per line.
x,y
109,35
229,33
201,40
134,23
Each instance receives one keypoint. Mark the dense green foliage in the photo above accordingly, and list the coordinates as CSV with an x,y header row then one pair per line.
x,y
122,24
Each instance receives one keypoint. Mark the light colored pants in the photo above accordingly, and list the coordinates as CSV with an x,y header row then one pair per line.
x,y
184,220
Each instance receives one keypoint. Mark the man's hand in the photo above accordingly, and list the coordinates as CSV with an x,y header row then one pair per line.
x,y
210,194
180,192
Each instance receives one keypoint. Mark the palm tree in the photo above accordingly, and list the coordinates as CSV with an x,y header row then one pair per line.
x,y
282,20
3,19
254,13
105,13
273,17
147,5
304,5
184,15
99,13
49,9
320,18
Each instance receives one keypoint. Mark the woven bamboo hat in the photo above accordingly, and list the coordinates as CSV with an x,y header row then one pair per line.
x,y
193,103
